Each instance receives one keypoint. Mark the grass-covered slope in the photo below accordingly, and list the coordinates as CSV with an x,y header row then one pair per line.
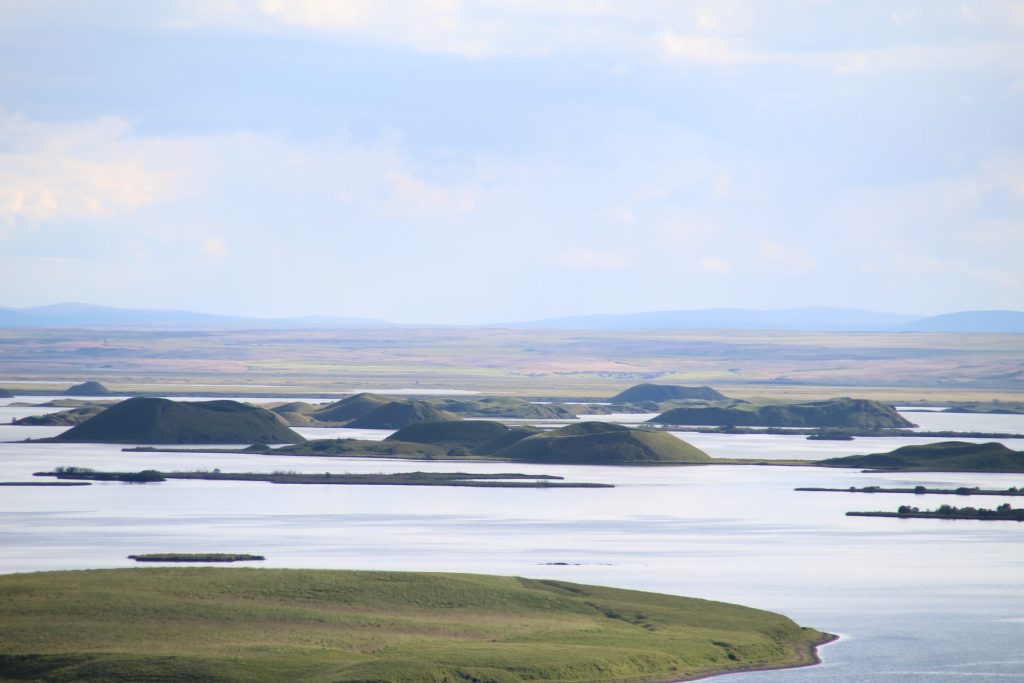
x,y
832,413
665,392
512,408
600,443
90,388
350,407
946,456
253,625
463,433
505,439
64,418
160,421
398,414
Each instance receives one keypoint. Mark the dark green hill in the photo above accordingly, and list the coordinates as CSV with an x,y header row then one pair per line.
x,y
600,443
666,392
160,421
506,439
464,433
64,418
87,389
398,414
946,456
832,413
514,408
263,625
351,407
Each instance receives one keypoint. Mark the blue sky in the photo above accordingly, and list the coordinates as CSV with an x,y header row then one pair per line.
x,y
440,161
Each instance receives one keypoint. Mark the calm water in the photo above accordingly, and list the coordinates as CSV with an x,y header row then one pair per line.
x,y
915,600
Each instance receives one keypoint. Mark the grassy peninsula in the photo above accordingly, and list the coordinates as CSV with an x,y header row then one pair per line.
x,y
834,413
946,456
209,623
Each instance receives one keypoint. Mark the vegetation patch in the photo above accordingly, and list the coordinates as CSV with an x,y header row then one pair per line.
x,y
245,624
833,413
1004,512
945,456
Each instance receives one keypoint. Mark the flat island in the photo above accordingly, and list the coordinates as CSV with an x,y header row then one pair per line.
x,y
195,557
210,623
1004,512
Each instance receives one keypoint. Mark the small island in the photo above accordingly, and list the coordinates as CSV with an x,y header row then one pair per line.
x,y
1004,512
922,490
834,413
945,456
256,625
195,557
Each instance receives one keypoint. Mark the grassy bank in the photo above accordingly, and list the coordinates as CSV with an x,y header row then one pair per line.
x,y
216,624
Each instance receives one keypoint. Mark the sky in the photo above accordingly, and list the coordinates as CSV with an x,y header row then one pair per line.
x,y
439,161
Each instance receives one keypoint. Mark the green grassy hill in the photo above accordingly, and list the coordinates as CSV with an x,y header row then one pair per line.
x,y
350,407
464,433
600,443
254,625
946,456
832,413
398,414
87,389
64,418
505,439
160,421
665,392
512,408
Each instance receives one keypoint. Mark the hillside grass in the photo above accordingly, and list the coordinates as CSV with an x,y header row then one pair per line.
x,y
216,624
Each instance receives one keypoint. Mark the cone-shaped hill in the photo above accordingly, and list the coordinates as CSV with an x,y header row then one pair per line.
x,y
666,392
398,414
835,413
601,443
160,421
463,433
946,456
505,439
87,389
350,407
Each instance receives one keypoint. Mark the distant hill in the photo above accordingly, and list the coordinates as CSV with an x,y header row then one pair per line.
x,y
6,393
665,392
398,414
87,389
350,407
832,413
946,456
87,315
512,408
64,418
601,443
969,321
465,433
160,421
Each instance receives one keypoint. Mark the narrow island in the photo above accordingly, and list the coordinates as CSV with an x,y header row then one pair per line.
x,y
195,557
255,625
922,490
945,456
1003,512
507,480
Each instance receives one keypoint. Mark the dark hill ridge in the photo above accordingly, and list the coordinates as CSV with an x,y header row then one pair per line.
x,y
398,414
6,393
90,388
351,407
601,443
666,392
161,421
505,439
500,406
464,433
832,413
946,456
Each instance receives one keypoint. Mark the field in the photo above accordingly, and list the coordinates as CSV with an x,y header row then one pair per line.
x,y
899,367
214,624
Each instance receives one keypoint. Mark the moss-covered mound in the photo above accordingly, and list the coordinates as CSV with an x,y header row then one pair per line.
x,y
511,408
296,413
600,443
160,421
946,456
351,407
87,389
254,625
666,392
832,413
362,448
464,433
64,418
508,438
398,414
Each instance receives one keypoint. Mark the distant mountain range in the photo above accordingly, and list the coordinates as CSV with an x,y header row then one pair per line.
x,y
824,319
87,315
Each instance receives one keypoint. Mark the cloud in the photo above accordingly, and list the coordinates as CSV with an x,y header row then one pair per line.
x,y
215,251
95,168
416,197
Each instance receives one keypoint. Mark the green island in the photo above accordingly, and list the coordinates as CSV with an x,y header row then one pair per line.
x,y
507,480
922,490
945,456
247,624
45,483
855,413
195,557
1004,512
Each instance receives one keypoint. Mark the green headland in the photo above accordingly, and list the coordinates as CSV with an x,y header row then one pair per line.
x,y
253,625
834,413
946,456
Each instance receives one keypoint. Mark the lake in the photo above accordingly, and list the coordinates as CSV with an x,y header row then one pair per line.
x,y
915,600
